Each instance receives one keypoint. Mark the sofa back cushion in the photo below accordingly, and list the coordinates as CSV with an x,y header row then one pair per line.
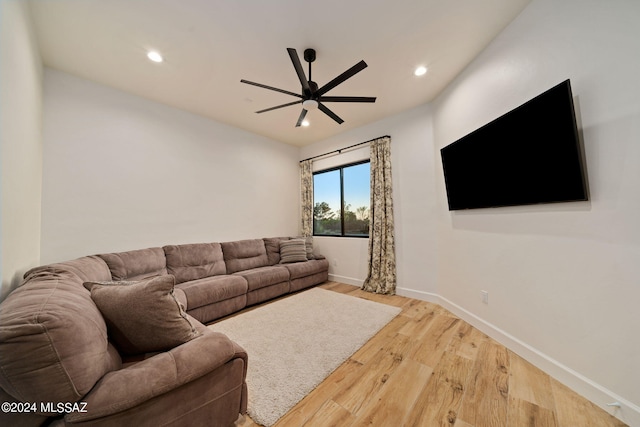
x,y
194,261
244,255
272,245
136,265
53,339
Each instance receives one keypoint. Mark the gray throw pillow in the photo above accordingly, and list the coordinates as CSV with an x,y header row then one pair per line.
x,y
293,250
144,316
308,242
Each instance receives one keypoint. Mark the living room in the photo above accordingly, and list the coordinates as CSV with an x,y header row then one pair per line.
x,y
562,279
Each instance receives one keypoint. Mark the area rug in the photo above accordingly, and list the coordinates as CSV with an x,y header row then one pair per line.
x,y
295,343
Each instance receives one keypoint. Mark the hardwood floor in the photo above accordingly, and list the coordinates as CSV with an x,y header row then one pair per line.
x,y
429,368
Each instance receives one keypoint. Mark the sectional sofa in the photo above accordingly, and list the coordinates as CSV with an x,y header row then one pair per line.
x,y
119,339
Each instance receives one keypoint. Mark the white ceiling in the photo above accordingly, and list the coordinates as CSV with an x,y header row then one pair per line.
x,y
209,45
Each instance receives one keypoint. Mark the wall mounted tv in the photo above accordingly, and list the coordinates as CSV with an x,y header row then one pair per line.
x,y
528,156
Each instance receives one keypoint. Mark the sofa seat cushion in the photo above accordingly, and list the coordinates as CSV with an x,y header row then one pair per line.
x,y
194,261
143,316
264,276
244,255
136,265
210,290
307,268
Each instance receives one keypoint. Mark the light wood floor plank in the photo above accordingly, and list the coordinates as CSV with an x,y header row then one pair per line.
x,y
523,413
431,343
467,341
573,410
330,414
373,379
382,340
397,398
440,400
429,368
528,383
486,398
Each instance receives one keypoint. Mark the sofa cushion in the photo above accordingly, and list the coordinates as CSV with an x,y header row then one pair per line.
x,y
308,244
272,245
142,316
210,290
85,268
147,393
302,269
194,261
53,338
264,276
136,265
293,250
244,255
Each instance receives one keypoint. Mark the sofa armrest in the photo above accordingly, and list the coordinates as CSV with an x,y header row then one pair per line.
x,y
126,388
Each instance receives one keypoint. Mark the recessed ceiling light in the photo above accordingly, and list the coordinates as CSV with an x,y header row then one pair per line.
x,y
305,123
420,71
154,56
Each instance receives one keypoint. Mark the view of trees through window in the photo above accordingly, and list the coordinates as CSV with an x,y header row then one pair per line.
x,y
341,201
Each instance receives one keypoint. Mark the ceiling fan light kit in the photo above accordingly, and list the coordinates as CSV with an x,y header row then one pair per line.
x,y
311,96
310,104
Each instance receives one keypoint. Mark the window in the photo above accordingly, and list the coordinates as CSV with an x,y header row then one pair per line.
x,y
341,201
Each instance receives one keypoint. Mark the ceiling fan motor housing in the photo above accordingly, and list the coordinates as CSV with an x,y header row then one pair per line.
x,y
314,87
309,55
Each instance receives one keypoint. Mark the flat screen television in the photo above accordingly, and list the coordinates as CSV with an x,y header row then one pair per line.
x,y
528,156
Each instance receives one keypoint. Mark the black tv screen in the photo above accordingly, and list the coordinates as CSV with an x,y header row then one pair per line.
x,y
528,156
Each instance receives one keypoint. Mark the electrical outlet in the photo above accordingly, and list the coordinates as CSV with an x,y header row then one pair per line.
x,y
335,262
485,296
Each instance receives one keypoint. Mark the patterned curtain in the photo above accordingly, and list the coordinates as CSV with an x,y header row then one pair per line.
x,y
306,197
382,253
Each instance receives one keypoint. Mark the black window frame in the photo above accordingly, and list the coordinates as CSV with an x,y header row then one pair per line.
x,y
341,169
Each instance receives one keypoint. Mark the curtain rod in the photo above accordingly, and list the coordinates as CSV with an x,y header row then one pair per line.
x,y
345,148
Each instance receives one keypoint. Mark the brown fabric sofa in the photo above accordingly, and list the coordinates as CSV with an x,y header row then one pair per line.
x,y
56,352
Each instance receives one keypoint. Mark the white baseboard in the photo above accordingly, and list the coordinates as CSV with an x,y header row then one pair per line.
x,y
628,412
347,280
421,295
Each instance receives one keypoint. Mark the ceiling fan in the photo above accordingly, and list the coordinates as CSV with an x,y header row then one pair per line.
x,y
313,97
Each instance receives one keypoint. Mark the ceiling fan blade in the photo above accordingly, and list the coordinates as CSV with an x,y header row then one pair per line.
x,y
279,106
341,78
347,99
271,88
303,113
330,113
298,66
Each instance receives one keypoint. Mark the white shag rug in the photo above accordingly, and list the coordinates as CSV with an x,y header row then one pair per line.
x,y
295,343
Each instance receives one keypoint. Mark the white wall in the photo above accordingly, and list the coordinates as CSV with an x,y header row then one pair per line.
x,y
562,279
20,144
413,163
121,172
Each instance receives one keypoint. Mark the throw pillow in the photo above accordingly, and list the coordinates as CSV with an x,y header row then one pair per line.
x,y
144,316
293,250
308,242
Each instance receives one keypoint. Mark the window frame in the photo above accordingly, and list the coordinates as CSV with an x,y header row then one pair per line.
x,y
341,169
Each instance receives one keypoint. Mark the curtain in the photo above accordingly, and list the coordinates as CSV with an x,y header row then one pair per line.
x,y
381,278
306,197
